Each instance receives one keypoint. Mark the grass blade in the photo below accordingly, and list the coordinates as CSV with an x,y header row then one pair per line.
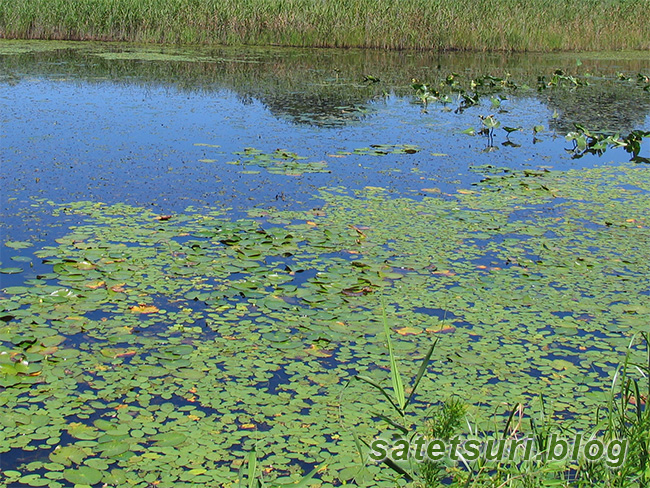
x,y
517,409
396,379
305,480
357,443
391,464
241,475
383,392
392,423
252,467
423,369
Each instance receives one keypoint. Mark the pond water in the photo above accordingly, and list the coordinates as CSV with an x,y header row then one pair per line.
x,y
198,246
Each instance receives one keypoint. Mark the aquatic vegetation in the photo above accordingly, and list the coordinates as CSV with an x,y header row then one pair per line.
x,y
324,97
587,141
560,79
255,479
399,401
143,353
622,416
383,150
468,91
411,24
489,124
145,344
584,141
427,94
621,419
279,161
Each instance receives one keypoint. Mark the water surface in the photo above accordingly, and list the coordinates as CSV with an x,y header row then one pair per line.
x,y
167,332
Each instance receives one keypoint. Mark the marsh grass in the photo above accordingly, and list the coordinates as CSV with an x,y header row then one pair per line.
x,y
624,415
477,25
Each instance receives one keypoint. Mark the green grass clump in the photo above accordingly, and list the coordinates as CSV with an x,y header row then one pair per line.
x,y
623,418
477,25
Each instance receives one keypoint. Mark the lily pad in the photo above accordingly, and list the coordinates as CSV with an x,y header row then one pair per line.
x,y
83,475
11,270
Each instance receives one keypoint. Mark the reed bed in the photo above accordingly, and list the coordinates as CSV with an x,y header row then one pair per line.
x,y
468,25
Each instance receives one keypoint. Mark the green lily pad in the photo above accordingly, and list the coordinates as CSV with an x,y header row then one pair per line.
x,y
81,431
16,290
18,244
83,475
22,259
67,455
11,270
169,439
113,448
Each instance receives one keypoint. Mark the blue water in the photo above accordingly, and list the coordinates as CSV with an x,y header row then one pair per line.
x,y
79,127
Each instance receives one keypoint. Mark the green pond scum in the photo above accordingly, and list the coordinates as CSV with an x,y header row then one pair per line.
x,y
158,350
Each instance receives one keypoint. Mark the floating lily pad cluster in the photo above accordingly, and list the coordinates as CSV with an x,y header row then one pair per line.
x,y
158,350
279,161
384,149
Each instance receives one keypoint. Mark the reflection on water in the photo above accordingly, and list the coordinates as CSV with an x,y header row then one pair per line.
x,y
120,123
606,106
323,87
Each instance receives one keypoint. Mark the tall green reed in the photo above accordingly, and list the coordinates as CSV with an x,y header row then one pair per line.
x,y
478,25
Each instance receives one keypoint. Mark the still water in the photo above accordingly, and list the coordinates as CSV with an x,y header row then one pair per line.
x,y
121,124
164,333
